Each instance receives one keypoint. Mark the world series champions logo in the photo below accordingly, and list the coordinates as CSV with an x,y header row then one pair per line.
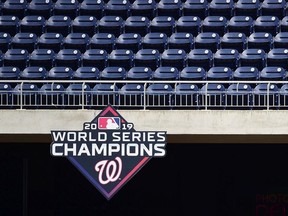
x,y
108,151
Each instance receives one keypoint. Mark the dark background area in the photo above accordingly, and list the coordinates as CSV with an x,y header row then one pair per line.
x,y
193,179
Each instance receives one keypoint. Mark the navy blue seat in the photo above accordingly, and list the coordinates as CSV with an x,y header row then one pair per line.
x,y
29,94
52,41
166,73
60,73
137,24
27,41
131,95
40,8
9,24
33,73
111,24
284,24
200,58
9,73
186,96
77,41
226,58
163,24
14,8
113,73
246,73
247,8
219,74
139,73
5,95
273,8
117,8
42,58
1,59
192,73
278,57
181,40
234,40
188,24
145,8
16,58
129,41
67,8
77,96
5,41
174,57
92,8
268,24
212,95
69,57
215,24
197,8
273,73
170,8
121,58
221,8
105,41
253,57
95,58
281,40
239,96
59,24
159,95
155,40
147,58
262,99
85,24
283,96
86,73
260,40
207,40
33,24
103,94
240,24
51,96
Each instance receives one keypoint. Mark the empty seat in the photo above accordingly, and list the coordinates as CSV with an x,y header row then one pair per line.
x,y
121,58
174,57
241,24
111,24
113,73
14,8
105,41
268,24
1,59
192,73
137,24
51,95
9,24
77,41
233,40
207,40
67,8
145,8
273,8
59,24
117,8
76,96
84,24
260,40
130,41
25,96
92,8
103,94
42,58
68,57
181,40
60,73
188,24
226,58
147,58
186,96
95,58
9,73
163,24
33,73
239,96
53,41
221,8
283,96
33,24
200,58
27,41
219,73
281,40
283,25
86,73
131,95
166,73
278,57
247,8
265,96
246,73
216,24
139,73
159,95
16,58
212,95
170,8
273,73
197,8
5,41
155,40
41,8
253,57
5,95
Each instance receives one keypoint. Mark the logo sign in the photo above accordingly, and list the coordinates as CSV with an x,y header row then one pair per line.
x,y
108,151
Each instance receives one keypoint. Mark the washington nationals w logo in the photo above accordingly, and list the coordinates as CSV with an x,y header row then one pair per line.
x,y
111,169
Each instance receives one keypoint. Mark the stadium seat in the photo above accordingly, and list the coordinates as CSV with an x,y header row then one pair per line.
x,y
5,95
117,8
273,8
77,41
215,24
85,24
269,24
5,41
95,58
86,73
137,24
158,41
27,41
52,41
145,8
247,8
1,59
33,24
253,57
181,40
221,8
281,40
139,73
212,96
260,40
77,96
192,73
278,57
16,58
92,8
284,24
104,41
240,24
163,24
9,73
113,73
14,8
159,95
273,73
41,8
226,58
174,57
129,41
51,96
186,96
197,8
246,73
70,57
25,96
131,95
68,8
103,94
33,73
283,96
166,73
60,73
207,40
264,100
219,74
200,58
147,58
234,40
42,58
59,24
9,24
121,58
170,8
239,96
188,24
111,24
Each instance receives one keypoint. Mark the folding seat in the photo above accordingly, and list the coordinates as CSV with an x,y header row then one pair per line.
x,y
60,73
281,40
234,40
9,73
283,99
111,24
215,24
265,95
166,73
186,96
247,8
103,94
33,73
221,8
139,73
197,8
239,96
27,41
174,57
5,95
147,58
51,95
103,41
192,73
212,95
226,58
200,58
283,24
121,58
188,24
92,8
163,24
268,24
155,40
246,73
113,73
42,58
52,41
14,8
137,24
207,40
77,96
77,41
86,73
260,40
278,57
25,96
68,57
5,41
118,8
41,8
131,95
220,74
16,58
181,40
95,58
241,24
129,41
254,58
170,8
9,24
59,24
145,8
273,8
84,24
273,73
68,8
33,24
159,95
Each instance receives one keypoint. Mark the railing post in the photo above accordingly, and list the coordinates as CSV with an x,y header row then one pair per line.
x,y
206,96
21,95
268,100
144,102
83,85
